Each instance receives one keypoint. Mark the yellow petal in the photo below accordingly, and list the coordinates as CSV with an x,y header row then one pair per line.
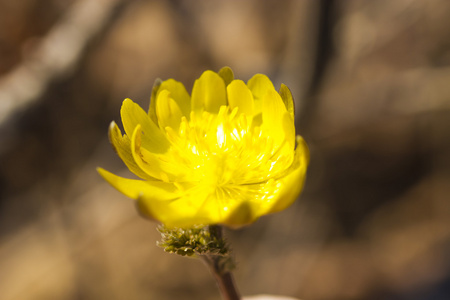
x,y
122,146
155,165
259,85
289,131
242,214
292,184
198,206
212,208
152,108
240,96
167,111
273,112
227,75
149,167
151,164
136,188
288,100
235,206
179,212
153,138
179,94
165,168
208,93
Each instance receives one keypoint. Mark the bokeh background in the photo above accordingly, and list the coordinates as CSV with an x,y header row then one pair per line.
x,y
371,80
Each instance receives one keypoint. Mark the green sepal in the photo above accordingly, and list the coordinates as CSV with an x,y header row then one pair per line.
x,y
199,240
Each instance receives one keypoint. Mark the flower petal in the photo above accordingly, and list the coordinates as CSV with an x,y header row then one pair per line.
x,y
122,146
199,206
179,212
240,96
168,111
289,131
134,188
151,164
259,85
208,93
152,107
237,205
291,185
227,75
155,165
252,201
273,117
242,214
133,115
288,100
179,94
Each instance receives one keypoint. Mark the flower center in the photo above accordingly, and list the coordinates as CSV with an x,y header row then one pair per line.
x,y
222,151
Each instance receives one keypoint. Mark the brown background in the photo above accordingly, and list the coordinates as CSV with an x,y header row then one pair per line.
x,y
371,81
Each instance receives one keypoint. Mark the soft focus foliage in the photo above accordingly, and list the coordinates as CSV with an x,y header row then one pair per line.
x,y
225,155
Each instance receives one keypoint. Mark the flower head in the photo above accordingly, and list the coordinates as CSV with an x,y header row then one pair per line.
x,y
227,154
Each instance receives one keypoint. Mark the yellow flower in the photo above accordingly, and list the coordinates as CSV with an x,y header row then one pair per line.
x,y
228,154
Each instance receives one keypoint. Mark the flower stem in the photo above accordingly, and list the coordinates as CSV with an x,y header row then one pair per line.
x,y
208,244
219,266
227,287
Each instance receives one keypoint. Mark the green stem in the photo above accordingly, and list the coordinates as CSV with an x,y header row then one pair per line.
x,y
224,278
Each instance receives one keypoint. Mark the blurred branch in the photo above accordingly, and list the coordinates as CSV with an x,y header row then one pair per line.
x,y
308,53
55,56
323,51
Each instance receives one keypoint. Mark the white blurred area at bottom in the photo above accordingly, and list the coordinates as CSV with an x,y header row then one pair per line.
x,y
268,297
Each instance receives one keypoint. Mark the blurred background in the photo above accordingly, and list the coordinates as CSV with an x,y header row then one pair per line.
x,y
371,80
